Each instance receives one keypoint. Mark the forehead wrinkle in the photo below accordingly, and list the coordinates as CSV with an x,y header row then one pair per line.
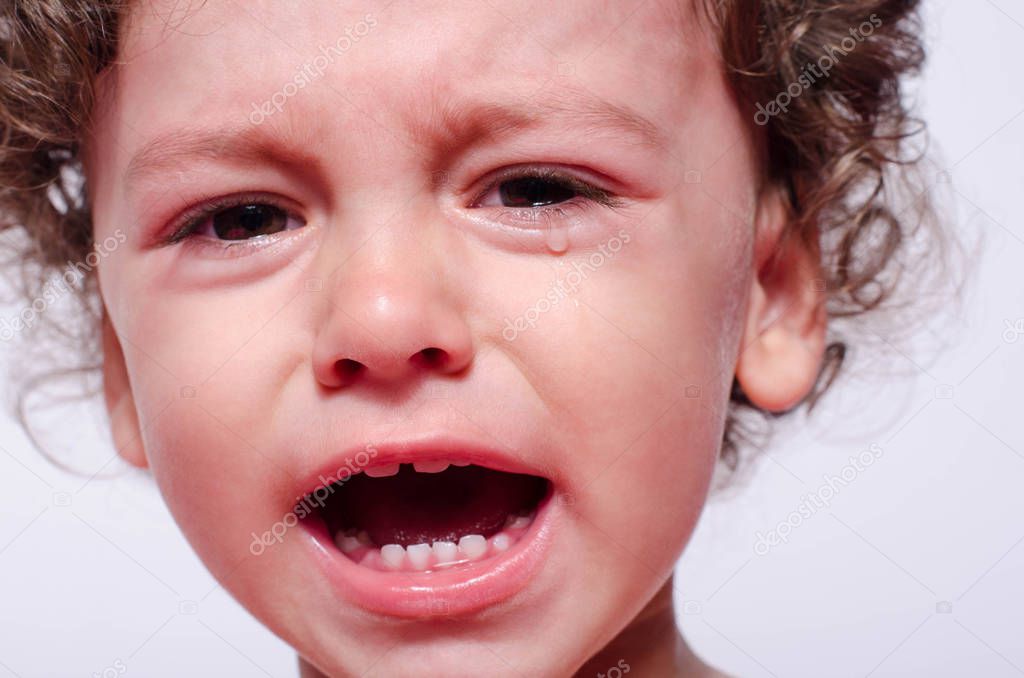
x,y
453,126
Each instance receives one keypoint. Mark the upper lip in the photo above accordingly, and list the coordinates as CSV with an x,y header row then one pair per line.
x,y
426,447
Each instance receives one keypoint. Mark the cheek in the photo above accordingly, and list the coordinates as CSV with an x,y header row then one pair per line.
x,y
229,496
636,364
208,370
208,473
192,335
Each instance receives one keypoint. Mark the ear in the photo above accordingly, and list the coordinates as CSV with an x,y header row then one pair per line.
x,y
784,336
117,392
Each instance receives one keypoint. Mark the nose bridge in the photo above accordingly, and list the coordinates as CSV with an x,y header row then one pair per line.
x,y
391,312
394,273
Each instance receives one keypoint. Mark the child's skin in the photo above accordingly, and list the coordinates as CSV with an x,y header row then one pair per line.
x,y
220,365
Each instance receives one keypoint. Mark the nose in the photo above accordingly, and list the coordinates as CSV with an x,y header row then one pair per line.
x,y
389,324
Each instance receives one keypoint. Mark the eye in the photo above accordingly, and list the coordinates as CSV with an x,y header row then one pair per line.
x,y
236,220
539,187
242,222
533,192
248,221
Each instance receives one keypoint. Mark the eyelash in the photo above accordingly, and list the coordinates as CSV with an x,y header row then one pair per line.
x,y
187,224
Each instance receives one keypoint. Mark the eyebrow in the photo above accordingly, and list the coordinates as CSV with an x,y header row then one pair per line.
x,y
232,144
452,129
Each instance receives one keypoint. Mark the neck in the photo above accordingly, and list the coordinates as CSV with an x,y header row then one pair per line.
x,y
650,645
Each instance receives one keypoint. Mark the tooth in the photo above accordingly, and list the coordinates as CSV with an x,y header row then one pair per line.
x,y
419,555
430,466
393,555
364,538
473,545
519,522
346,542
460,463
501,542
382,471
445,551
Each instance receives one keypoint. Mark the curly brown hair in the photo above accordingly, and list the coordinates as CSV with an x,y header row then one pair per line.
x,y
835,140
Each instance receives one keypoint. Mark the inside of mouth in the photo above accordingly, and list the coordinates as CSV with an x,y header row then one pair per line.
x,y
431,516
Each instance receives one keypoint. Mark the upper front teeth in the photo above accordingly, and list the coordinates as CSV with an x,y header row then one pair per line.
x,y
430,466
382,471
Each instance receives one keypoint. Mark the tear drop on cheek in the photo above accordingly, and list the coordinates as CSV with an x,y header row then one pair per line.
x,y
557,238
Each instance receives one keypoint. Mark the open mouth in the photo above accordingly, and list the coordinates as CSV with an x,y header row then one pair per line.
x,y
430,515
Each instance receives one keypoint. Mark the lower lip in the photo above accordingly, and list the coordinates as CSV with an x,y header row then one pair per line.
x,y
458,591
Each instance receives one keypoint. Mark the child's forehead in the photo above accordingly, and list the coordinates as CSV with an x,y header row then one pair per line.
x,y
552,25
223,62
235,49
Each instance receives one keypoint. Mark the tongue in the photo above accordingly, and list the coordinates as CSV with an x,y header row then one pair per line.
x,y
420,508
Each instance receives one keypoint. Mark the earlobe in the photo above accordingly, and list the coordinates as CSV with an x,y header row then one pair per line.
x,y
783,340
117,393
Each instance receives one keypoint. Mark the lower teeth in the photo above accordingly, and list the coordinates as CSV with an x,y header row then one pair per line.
x,y
427,557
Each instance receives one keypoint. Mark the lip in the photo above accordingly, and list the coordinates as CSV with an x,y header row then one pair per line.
x,y
426,448
458,591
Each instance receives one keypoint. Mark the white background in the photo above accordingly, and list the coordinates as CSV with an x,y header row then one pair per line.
x,y
915,569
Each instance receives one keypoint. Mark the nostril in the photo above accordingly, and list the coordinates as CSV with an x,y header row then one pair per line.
x,y
431,357
348,369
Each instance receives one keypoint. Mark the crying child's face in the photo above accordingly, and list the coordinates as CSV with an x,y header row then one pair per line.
x,y
428,312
